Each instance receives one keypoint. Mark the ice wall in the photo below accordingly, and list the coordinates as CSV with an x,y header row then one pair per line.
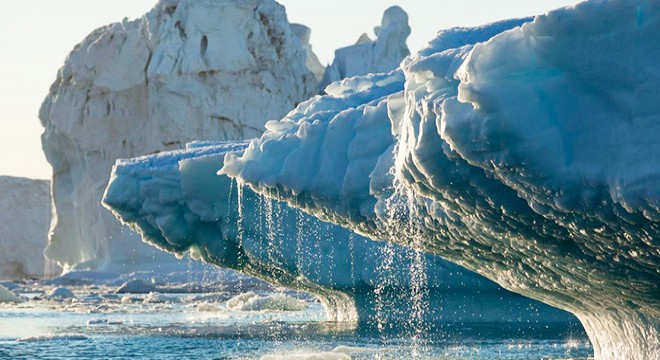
x,y
366,56
178,203
186,70
24,220
531,159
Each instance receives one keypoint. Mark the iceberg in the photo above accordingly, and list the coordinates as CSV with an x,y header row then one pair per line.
x,y
187,70
530,158
367,56
178,203
25,217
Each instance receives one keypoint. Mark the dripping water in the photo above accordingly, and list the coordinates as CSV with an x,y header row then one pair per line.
x,y
239,220
383,305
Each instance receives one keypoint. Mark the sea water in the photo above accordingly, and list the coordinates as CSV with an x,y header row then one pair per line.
x,y
100,324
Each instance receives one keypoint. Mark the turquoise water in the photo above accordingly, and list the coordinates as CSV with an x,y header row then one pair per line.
x,y
200,326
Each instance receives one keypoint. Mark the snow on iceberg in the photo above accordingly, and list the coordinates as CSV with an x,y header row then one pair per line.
x,y
178,203
531,159
187,70
25,216
366,56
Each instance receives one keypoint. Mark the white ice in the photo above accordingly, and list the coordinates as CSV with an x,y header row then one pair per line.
x,y
366,56
178,203
7,296
531,158
187,70
24,217
250,301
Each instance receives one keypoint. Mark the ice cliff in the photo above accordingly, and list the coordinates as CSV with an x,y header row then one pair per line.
x,y
531,159
372,56
178,203
186,70
24,217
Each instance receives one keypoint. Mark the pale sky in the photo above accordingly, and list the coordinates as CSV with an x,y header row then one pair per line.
x,y
37,35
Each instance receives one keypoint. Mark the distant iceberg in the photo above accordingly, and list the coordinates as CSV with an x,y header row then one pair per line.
x,y
24,219
531,159
383,54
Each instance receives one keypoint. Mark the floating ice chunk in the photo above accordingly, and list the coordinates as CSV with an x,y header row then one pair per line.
x,y
54,337
95,322
8,296
76,278
10,285
61,293
137,286
250,301
158,298
209,307
130,299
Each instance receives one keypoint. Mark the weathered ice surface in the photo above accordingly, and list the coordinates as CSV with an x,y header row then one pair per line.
x,y
313,64
178,203
186,70
24,220
531,159
366,56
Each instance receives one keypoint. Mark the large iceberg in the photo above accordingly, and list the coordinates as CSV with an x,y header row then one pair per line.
x,y
24,217
178,203
187,70
383,54
531,159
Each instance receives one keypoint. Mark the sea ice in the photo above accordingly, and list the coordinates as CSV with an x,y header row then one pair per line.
x,y
61,293
54,337
137,286
158,298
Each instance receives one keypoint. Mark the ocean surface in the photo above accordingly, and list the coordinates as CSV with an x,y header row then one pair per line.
x,y
100,324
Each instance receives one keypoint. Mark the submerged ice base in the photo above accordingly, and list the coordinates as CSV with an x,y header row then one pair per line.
x,y
531,159
178,203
